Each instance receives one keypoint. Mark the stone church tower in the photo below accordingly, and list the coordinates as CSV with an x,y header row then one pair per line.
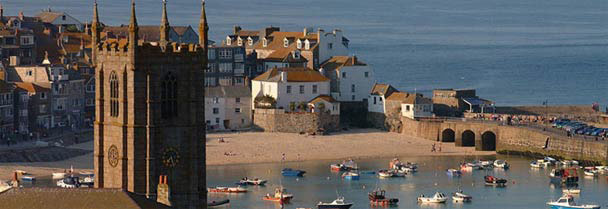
x,y
150,114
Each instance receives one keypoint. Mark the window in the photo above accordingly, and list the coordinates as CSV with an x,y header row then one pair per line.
x,y
380,98
301,89
249,41
299,44
237,100
63,17
352,88
211,54
42,95
237,110
228,41
265,42
367,74
42,108
226,67
330,45
353,98
374,100
29,73
9,41
239,41
27,40
225,54
216,110
314,89
289,89
407,108
286,42
216,100
169,96
90,102
343,74
306,44
113,94
217,120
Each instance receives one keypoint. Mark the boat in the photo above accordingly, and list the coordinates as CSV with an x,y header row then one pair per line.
x,y
4,187
453,172
571,191
280,196
21,172
568,163
501,164
493,181
227,190
550,160
336,204
350,176
218,203
437,198
567,202
590,171
337,167
475,165
486,163
406,167
60,175
255,181
567,176
28,178
292,172
542,163
378,198
350,165
69,182
390,173
459,196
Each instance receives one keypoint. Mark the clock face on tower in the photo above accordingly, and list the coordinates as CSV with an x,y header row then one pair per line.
x,y
170,157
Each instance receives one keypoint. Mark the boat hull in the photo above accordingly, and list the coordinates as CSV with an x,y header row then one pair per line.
x,y
345,206
218,203
354,178
384,202
573,207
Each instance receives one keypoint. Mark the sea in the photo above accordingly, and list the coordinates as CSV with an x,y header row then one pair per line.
x,y
513,52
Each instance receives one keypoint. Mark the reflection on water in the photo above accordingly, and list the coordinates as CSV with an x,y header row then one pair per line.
x,y
527,188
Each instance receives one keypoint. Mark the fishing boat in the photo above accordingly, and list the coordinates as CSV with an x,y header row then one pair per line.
x,y
255,181
280,196
59,175
486,163
337,167
350,176
459,196
218,203
350,165
493,181
378,198
567,176
571,191
453,172
567,202
336,204
406,167
501,164
590,171
70,182
292,172
28,178
227,190
390,173
437,198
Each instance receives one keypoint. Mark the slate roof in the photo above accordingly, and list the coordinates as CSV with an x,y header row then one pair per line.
x,y
293,74
228,91
337,62
408,98
32,87
323,98
382,89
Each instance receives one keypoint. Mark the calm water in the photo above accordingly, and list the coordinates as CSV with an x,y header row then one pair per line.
x,y
514,52
527,188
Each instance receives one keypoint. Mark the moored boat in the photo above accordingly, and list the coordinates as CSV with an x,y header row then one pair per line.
x,y
567,202
406,167
453,172
567,176
69,182
459,196
350,176
390,173
501,164
437,198
28,178
59,175
336,204
590,171
337,167
218,203
280,195
254,181
4,187
378,198
292,172
494,181
227,190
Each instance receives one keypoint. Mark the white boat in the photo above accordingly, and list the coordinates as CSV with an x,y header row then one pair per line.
x,y
486,162
590,171
461,197
4,187
501,164
336,204
453,172
60,175
69,182
390,173
572,191
350,176
567,202
437,198
540,163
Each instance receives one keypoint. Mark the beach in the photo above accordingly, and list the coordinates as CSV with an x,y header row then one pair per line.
x,y
263,147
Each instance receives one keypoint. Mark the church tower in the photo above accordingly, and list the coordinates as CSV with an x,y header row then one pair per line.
x,y
150,115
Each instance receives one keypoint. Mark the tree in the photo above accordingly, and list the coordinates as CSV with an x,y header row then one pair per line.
x,y
321,106
303,106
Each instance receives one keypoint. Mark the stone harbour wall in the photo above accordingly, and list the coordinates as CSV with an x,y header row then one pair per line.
x,y
277,120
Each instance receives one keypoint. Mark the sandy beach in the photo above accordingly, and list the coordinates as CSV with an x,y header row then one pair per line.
x,y
259,147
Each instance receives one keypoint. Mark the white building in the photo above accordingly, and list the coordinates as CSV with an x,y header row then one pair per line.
x,y
416,106
61,19
332,44
351,79
227,107
377,98
290,87
325,103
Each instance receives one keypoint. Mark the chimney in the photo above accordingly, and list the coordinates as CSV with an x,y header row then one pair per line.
x,y
236,29
322,71
305,32
15,61
21,15
319,34
354,60
163,191
283,76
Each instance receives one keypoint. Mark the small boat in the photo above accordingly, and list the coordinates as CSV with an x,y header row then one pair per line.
x,y
4,187
567,176
69,182
337,167
437,198
569,163
350,176
350,165
292,172
390,173
218,203
28,178
475,165
550,160
486,163
567,202
501,164
60,175
453,172
21,172
227,190
540,163
459,196
406,167
255,181
590,171
571,191
493,181
378,198
336,204
280,196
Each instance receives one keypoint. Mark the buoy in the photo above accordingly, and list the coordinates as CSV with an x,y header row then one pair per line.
x,y
363,186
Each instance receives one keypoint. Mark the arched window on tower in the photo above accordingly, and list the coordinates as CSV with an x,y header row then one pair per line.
x,y
113,94
169,96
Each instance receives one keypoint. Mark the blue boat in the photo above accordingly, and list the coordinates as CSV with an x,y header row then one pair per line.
x,y
453,172
567,202
350,176
292,172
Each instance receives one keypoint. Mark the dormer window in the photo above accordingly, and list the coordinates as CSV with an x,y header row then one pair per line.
x,y
265,42
296,54
286,42
239,41
228,41
307,44
299,43
249,41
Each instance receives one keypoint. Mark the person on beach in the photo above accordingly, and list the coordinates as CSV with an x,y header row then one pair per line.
x,y
433,148
440,146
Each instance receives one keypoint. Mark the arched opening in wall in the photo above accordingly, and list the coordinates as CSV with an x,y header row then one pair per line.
x,y
468,138
488,141
448,135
